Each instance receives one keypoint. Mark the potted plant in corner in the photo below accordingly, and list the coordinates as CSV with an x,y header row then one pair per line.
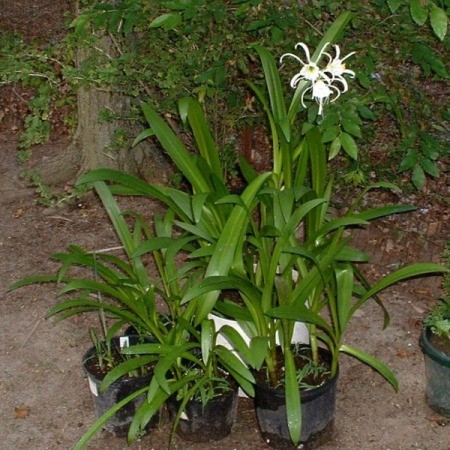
x,y
105,355
435,343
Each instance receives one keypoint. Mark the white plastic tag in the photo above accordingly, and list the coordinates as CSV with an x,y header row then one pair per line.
x,y
124,342
92,387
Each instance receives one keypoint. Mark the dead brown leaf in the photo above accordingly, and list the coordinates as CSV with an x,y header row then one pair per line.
x,y
18,213
436,418
22,412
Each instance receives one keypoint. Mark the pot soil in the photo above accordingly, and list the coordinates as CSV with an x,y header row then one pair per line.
x,y
318,411
205,423
437,367
117,391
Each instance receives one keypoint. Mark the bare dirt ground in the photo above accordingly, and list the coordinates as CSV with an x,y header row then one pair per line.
x,y
45,400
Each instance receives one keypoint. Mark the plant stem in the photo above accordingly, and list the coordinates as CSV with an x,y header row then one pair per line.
x,y
313,343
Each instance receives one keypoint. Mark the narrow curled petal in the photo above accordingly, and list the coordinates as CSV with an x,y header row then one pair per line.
x,y
292,56
323,52
305,49
343,81
338,51
295,80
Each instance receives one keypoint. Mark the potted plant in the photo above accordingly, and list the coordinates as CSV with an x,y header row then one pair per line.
x,y
194,377
205,409
123,294
98,361
435,342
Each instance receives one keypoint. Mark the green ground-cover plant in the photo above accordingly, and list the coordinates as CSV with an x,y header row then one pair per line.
x,y
39,73
422,12
438,319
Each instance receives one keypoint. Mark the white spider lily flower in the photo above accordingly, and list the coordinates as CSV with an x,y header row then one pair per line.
x,y
336,68
322,92
310,70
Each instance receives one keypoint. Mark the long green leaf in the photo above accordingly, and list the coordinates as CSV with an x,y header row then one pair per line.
x,y
411,271
105,417
176,150
300,314
372,362
203,138
124,369
376,213
32,280
293,406
344,288
274,87
229,240
318,159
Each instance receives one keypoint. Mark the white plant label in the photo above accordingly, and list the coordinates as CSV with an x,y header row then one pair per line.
x,y
124,342
93,387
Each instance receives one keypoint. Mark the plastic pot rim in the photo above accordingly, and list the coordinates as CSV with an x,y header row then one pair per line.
x,y
431,351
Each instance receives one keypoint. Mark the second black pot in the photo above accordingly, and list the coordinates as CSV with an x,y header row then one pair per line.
x,y
205,423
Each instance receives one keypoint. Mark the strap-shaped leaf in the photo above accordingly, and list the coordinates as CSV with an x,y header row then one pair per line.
x,y
203,137
410,271
123,369
176,150
372,362
344,288
229,240
105,417
293,405
274,89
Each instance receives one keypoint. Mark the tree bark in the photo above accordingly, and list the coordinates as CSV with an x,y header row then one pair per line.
x,y
96,143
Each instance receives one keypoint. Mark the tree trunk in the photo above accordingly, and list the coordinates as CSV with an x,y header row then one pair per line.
x,y
101,143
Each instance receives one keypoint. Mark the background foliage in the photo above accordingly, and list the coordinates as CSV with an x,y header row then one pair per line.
x,y
394,123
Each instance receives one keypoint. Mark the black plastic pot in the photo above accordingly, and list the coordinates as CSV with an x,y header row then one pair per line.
x,y
211,422
117,391
318,411
437,366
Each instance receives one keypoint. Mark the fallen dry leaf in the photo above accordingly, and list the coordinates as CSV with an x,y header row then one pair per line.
x,y
402,353
22,412
441,421
18,213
